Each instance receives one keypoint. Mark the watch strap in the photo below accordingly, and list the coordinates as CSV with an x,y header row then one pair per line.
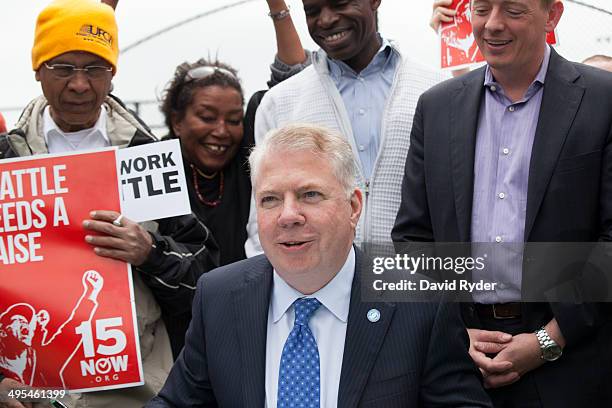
x,y
546,343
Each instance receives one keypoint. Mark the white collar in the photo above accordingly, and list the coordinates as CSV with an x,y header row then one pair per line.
x,y
98,130
335,296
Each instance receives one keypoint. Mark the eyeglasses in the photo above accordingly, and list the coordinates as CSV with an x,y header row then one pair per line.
x,y
65,71
206,71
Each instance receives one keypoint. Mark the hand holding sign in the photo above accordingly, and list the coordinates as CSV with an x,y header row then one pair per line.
x,y
90,344
441,13
453,21
66,342
129,243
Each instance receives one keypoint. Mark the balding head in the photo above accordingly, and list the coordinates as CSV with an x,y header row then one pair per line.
x,y
599,61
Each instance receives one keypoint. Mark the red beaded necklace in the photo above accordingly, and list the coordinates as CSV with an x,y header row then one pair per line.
x,y
195,171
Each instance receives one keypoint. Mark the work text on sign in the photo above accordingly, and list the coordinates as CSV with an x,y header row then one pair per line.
x,y
146,182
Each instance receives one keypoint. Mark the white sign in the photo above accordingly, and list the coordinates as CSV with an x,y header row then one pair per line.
x,y
152,181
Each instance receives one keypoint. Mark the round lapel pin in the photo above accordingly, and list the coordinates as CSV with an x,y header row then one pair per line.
x,y
373,315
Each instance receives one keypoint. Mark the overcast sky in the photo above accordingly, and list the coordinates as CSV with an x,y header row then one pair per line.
x,y
243,37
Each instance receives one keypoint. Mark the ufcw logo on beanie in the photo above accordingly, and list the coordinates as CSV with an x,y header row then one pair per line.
x,y
95,33
75,25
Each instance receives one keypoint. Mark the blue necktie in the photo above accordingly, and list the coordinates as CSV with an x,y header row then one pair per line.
x,y
298,378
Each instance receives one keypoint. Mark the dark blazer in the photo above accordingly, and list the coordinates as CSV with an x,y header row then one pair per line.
x,y
569,199
415,355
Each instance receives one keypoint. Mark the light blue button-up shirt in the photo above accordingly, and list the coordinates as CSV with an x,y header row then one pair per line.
x,y
365,96
328,325
504,140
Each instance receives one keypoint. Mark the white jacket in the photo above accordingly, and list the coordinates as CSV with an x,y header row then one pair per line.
x,y
312,97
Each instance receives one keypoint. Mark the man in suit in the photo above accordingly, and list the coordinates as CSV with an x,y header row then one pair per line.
x,y
243,347
519,151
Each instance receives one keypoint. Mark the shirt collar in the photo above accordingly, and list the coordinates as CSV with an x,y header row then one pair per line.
x,y
335,296
339,68
539,79
50,128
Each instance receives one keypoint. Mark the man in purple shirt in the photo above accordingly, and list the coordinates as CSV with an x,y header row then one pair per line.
x,y
519,151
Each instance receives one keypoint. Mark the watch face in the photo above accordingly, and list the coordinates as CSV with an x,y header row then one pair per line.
x,y
551,353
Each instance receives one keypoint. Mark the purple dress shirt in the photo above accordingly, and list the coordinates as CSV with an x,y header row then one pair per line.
x,y
504,140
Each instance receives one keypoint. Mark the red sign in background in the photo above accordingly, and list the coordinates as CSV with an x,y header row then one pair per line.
x,y
66,315
458,47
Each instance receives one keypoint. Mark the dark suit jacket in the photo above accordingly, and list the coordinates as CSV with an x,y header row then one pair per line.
x,y
415,355
569,198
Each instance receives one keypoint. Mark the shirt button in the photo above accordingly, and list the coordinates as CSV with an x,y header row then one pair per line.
x,y
498,239
493,88
362,112
361,148
511,108
501,195
506,151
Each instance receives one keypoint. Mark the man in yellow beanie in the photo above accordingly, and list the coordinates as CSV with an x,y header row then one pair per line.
x,y
71,34
75,56
69,25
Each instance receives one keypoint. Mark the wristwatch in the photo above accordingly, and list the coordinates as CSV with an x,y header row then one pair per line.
x,y
551,351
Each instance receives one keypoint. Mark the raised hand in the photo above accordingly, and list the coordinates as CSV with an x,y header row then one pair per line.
x,y
95,281
441,13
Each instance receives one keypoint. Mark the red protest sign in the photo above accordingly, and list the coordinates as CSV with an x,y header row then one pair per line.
x,y
67,316
458,46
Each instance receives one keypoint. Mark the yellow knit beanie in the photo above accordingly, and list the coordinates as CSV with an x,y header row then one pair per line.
x,y
75,25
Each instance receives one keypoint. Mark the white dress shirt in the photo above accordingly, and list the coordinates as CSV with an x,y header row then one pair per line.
x,y
59,141
328,325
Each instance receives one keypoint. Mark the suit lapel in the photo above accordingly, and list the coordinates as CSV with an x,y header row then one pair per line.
x,y
560,103
363,342
251,302
465,108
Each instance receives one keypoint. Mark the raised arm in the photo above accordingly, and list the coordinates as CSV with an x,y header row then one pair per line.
x,y
291,57
288,44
